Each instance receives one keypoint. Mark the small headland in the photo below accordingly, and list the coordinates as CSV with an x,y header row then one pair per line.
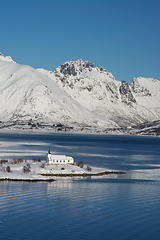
x,y
36,170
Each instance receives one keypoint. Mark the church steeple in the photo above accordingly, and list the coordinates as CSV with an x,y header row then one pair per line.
x,y
49,152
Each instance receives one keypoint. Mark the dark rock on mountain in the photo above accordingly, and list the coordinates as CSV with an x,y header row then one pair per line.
x,y
67,69
126,95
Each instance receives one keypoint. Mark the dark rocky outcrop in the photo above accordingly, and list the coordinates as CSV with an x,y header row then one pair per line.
x,y
126,94
68,69
88,64
74,68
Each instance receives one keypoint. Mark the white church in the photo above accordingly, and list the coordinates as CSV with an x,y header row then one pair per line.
x,y
59,159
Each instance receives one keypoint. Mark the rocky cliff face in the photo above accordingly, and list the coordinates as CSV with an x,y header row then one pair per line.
x,y
85,77
85,83
126,94
75,68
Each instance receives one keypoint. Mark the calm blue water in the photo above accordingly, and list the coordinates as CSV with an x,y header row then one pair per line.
x,y
83,208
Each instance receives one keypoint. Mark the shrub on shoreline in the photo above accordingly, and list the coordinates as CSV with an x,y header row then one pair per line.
x,y
89,169
36,159
80,164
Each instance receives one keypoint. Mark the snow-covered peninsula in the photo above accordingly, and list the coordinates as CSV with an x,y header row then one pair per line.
x,y
35,170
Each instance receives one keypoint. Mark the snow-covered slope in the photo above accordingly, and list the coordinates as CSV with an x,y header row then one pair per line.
x,y
147,93
75,93
26,93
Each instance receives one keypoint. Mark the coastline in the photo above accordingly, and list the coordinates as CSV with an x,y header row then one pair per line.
x,y
83,174
143,129
78,132
26,180
60,175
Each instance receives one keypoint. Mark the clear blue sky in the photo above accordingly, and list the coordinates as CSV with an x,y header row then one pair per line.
x,y
122,36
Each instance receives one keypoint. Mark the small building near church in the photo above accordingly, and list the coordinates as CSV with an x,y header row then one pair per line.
x,y
59,159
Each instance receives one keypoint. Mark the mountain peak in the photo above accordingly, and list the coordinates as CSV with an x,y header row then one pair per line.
x,y
1,54
6,59
74,68
79,67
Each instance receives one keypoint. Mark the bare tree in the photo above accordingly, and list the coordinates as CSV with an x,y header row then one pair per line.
x,y
3,161
27,168
80,164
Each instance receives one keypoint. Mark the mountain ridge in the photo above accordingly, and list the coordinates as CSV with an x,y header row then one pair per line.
x,y
75,94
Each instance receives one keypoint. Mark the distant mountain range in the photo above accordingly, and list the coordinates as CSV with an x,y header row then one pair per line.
x,y
75,94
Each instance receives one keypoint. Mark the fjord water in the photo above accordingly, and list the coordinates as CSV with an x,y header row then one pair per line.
x,y
110,207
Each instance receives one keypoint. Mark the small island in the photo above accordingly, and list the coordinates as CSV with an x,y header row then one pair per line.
x,y
18,169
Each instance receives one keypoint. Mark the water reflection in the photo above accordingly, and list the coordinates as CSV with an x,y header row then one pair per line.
x,y
83,208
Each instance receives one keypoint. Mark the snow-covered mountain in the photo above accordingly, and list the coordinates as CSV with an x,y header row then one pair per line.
x,y
75,93
26,93
98,91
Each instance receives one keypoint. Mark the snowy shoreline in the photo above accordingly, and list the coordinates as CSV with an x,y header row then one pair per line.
x,y
78,131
